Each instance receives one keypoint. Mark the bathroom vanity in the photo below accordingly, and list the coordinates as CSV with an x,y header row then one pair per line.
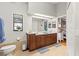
x,y
36,41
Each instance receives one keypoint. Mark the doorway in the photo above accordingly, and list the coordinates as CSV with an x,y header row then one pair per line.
x,y
62,30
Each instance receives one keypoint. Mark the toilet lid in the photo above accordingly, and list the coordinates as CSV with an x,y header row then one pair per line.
x,y
7,47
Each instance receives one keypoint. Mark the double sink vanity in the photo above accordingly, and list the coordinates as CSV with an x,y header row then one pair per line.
x,y
39,40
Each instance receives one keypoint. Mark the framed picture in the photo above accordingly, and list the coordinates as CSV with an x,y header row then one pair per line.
x,y
17,22
49,25
53,24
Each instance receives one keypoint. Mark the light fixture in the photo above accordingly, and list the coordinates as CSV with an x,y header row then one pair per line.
x,y
42,15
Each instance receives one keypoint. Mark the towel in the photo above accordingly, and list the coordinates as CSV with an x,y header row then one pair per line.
x,y
2,34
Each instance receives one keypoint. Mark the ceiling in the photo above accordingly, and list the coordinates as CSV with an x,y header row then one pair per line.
x,y
56,2
53,2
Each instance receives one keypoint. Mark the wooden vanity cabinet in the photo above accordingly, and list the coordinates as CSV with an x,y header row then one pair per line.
x,y
42,41
53,38
38,41
31,42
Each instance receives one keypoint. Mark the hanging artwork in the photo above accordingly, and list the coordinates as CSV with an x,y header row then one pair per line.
x,y
53,24
49,25
17,22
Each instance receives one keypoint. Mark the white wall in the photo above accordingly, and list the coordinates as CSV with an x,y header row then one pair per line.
x,y
46,8
71,29
42,8
76,15
61,9
6,12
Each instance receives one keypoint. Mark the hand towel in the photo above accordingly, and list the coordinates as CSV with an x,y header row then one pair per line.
x,y
2,34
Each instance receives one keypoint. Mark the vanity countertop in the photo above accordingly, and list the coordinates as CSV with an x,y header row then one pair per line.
x,y
41,33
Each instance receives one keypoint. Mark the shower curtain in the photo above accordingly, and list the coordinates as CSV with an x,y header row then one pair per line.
x,y
2,34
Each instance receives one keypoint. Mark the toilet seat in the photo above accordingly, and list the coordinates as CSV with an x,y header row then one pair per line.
x,y
7,47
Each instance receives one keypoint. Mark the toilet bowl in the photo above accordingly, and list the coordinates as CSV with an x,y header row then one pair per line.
x,y
5,50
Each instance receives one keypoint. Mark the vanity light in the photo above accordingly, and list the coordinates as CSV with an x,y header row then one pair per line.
x,y
41,15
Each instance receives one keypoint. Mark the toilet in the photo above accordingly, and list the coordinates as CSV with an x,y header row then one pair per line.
x,y
6,50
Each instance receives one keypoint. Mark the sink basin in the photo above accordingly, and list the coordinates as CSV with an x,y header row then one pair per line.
x,y
41,33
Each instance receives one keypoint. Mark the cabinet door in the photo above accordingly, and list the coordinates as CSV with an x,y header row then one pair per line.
x,y
38,41
42,39
53,38
31,42
47,38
